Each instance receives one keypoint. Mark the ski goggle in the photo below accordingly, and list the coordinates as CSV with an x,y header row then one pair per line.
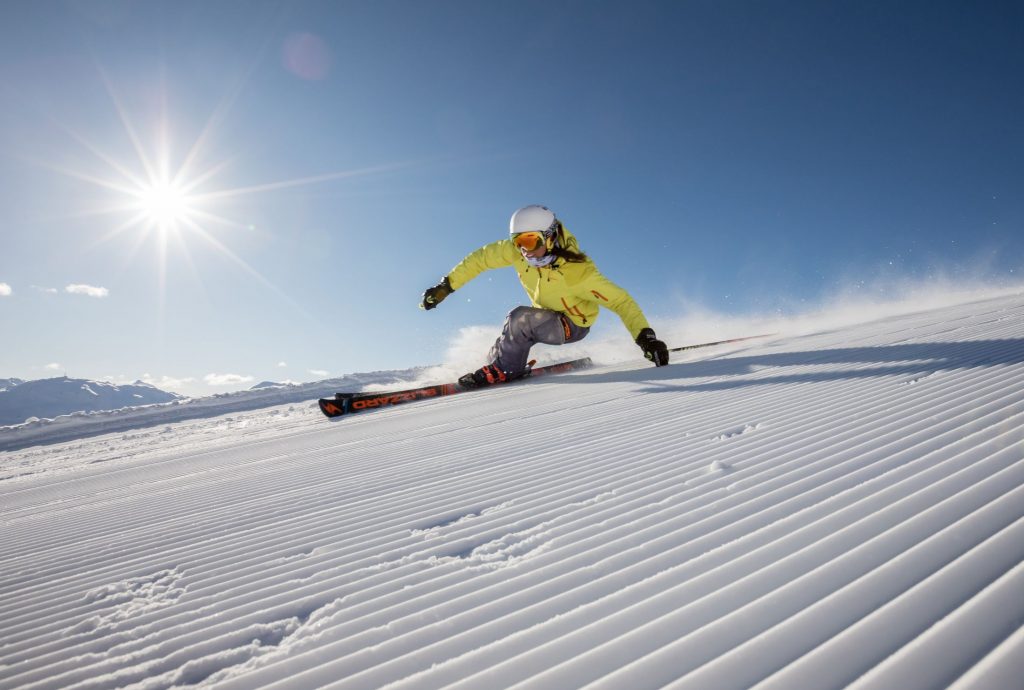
x,y
528,241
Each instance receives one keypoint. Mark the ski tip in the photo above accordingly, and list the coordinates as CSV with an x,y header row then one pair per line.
x,y
332,408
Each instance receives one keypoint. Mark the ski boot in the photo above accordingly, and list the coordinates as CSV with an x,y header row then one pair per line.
x,y
487,375
491,374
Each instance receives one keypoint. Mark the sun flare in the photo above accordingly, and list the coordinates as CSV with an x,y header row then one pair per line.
x,y
174,200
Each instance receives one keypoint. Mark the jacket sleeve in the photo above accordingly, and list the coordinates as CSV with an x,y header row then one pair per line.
x,y
610,296
494,255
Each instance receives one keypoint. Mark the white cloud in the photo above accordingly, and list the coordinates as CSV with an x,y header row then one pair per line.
x,y
166,383
318,372
87,290
282,364
226,379
5,290
45,291
53,366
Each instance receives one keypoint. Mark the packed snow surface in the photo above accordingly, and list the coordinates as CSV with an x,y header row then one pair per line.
x,y
840,508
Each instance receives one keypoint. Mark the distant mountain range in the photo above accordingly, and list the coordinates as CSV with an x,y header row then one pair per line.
x,y
48,398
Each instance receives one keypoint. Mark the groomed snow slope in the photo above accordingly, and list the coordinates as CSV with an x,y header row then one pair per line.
x,y
844,508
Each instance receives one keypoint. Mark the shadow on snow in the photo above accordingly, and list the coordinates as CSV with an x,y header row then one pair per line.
x,y
914,359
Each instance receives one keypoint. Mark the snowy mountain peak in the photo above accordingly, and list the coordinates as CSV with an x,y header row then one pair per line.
x,y
48,398
6,384
271,384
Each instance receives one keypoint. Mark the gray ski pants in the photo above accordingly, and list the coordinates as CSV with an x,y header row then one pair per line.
x,y
525,326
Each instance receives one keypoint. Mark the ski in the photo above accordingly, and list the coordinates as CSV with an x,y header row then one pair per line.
x,y
350,403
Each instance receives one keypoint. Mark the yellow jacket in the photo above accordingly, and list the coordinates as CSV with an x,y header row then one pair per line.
x,y
574,289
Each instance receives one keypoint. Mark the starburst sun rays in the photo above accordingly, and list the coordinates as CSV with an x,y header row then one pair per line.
x,y
156,197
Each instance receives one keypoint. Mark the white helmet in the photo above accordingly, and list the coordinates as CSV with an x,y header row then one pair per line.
x,y
534,218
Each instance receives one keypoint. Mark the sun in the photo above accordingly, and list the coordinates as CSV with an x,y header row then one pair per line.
x,y
165,204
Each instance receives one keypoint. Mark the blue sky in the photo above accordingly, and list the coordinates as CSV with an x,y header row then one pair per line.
x,y
340,157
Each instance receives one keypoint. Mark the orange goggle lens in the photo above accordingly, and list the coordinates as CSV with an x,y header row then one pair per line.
x,y
528,241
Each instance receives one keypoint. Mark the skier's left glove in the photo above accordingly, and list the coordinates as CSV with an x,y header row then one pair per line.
x,y
654,349
433,296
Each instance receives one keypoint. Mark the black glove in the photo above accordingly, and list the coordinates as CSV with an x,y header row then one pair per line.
x,y
654,349
433,296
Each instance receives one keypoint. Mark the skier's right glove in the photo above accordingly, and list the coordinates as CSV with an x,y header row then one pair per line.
x,y
654,349
433,296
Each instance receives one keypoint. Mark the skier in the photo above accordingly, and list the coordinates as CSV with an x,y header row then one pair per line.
x,y
565,289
